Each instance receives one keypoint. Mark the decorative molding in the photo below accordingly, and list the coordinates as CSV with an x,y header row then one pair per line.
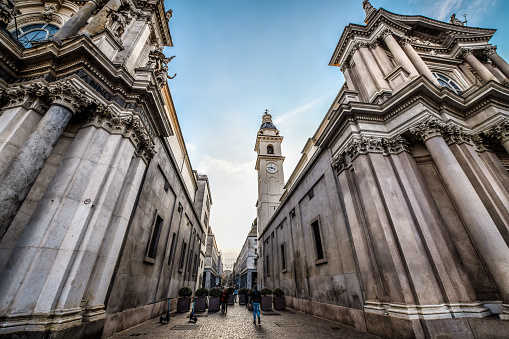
x,y
428,129
47,13
64,93
405,40
396,145
385,33
481,143
128,125
374,44
32,96
466,51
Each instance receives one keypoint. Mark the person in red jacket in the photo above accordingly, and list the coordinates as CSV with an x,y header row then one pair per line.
x,y
224,301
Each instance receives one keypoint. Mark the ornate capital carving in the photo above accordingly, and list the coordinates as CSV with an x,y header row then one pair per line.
x,y
128,125
405,41
499,132
374,44
454,134
31,96
6,12
385,33
339,163
65,94
396,145
344,67
489,50
466,51
481,143
428,129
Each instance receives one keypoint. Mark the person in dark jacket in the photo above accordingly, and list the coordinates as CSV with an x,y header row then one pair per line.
x,y
224,301
255,299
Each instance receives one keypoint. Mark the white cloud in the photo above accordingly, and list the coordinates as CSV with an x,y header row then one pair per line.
x,y
443,9
283,119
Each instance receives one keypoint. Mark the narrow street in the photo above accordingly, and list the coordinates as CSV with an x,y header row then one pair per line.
x,y
238,323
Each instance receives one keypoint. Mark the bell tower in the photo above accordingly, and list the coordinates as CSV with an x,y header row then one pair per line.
x,y
269,164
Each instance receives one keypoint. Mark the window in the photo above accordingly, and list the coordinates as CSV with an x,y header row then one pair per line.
x,y
195,266
172,248
270,149
154,240
166,186
267,267
315,226
190,261
34,33
446,82
283,257
182,256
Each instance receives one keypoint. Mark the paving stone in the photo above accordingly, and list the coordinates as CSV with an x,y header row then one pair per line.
x,y
238,323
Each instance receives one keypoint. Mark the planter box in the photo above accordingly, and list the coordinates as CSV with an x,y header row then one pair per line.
x,y
200,304
266,303
183,304
214,303
231,299
242,299
279,303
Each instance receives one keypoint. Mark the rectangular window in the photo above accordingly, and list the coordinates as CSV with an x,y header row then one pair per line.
x,y
172,248
195,269
318,239
267,267
150,256
190,261
182,256
283,257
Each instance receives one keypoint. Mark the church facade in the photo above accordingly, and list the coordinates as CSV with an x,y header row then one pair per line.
x,y
396,219
102,218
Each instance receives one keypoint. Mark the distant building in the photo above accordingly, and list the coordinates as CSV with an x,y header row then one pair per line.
x,y
246,264
395,220
211,276
102,218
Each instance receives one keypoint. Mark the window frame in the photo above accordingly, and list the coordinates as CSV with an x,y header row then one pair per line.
x,y
314,232
152,244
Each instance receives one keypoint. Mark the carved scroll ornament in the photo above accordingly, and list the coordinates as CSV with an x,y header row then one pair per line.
x,y
67,95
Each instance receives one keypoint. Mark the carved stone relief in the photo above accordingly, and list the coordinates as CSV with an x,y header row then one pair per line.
x,y
159,62
65,94
32,96
47,13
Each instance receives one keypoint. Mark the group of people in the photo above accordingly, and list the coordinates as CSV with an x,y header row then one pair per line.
x,y
255,298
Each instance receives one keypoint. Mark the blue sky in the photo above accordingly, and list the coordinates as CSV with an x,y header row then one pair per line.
x,y
236,58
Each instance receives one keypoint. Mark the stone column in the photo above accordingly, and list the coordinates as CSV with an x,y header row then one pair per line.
x,y
502,65
374,70
99,21
17,178
381,57
417,61
348,78
398,53
364,75
477,66
476,219
74,24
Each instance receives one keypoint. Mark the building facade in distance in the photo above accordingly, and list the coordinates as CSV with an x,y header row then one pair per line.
x,y
102,217
395,220
246,271
211,274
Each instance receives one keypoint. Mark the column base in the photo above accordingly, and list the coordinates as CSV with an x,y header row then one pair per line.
x,y
93,313
505,312
56,321
429,312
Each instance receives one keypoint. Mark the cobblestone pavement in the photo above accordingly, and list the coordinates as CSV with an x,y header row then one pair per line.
x,y
238,323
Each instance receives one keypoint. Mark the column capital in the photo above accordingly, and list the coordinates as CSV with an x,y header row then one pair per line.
x,y
489,50
481,143
466,51
405,41
454,134
31,96
385,33
344,66
499,131
66,94
339,163
428,129
128,124
396,145
374,44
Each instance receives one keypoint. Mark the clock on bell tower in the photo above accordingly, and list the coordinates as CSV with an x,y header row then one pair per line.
x,y
269,164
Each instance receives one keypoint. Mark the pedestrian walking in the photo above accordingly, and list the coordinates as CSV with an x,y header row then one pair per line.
x,y
255,300
224,301
235,294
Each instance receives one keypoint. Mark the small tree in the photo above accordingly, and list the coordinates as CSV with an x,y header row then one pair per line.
x,y
201,292
243,290
215,292
278,292
231,290
266,291
185,291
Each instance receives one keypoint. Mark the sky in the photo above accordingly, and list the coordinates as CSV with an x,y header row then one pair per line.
x,y
236,58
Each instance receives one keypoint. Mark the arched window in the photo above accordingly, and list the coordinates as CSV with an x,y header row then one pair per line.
x,y
446,82
35,33
270,149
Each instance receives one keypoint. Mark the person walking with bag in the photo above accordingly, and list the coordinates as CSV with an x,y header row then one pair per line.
x,y
255,300
224,301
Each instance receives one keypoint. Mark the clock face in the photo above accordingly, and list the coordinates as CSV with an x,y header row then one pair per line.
x,y
271,168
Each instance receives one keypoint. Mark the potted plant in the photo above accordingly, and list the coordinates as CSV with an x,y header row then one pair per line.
x,y
214,299
249,304
243,296
231,298
266,299
184,301
279,299
200,299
